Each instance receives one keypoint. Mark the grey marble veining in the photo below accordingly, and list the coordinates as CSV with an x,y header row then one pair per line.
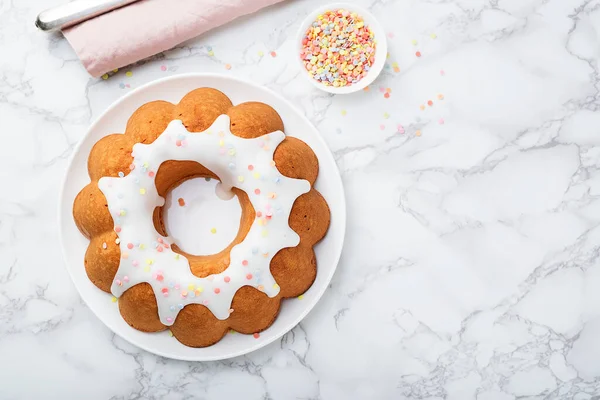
x,y
471,266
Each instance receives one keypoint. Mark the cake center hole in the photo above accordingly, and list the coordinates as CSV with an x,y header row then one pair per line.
x,y
200,222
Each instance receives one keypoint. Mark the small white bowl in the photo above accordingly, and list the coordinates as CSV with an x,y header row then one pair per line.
x,y
380,51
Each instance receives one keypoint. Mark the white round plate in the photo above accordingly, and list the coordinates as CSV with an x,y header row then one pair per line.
x,y
172,89
380,51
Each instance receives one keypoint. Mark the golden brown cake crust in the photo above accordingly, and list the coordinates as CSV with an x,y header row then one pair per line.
x,y
294,269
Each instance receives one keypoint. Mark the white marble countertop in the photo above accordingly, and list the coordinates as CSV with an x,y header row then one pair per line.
x,y
471,265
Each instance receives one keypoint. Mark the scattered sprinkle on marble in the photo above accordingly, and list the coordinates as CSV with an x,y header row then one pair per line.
x,y
273,54
429,103
256,335
343,112
128,74
105,76
227,66
441,121
163,67
440,96
260,54
442,73
382,126
433,36
300,297
116,70
113,299
418,132
422,107
418,54
211,53
386,115
400,128
414,42
391,35
213,230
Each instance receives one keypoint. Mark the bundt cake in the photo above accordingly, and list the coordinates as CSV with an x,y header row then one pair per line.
x,y
200,297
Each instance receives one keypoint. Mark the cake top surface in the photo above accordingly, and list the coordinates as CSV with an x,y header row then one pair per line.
x,y
147,256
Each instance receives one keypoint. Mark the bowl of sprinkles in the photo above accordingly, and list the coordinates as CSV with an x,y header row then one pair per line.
x,y
342,48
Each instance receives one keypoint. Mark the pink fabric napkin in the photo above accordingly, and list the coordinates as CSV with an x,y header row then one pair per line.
x,y
141,29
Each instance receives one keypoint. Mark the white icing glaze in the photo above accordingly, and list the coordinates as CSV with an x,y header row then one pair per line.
x,y
146,256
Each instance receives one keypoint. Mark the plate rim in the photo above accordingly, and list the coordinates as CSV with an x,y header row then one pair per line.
x,y
341,206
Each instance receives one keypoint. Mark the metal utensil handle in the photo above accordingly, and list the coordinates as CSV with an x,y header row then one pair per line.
x,y
75,12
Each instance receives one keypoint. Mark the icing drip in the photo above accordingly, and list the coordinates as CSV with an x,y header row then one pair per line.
x,y
146,256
